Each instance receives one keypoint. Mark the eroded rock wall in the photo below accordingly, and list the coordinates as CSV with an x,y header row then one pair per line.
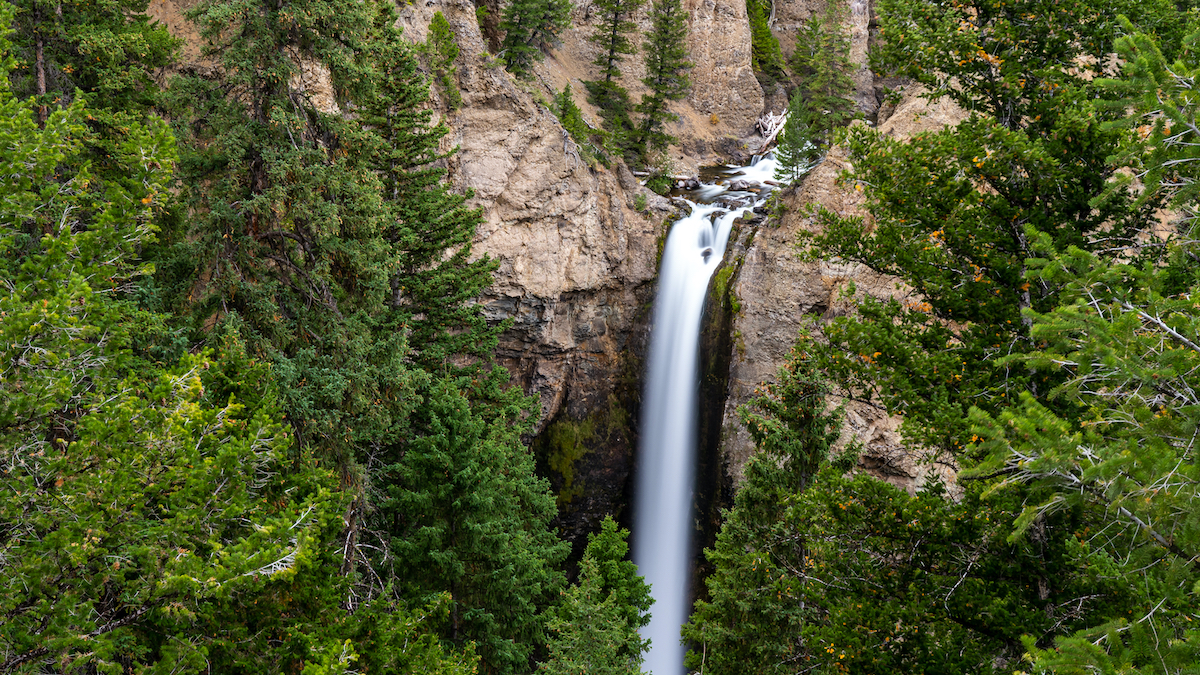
x,y
780,292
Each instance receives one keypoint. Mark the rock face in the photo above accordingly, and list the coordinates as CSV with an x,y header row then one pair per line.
x,y
725,98
792,15
780,293
578,261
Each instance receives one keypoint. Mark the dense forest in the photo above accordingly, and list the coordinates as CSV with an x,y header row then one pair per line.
x,y
251,421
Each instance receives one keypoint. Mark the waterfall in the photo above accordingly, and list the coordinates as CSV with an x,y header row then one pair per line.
x,y
662,546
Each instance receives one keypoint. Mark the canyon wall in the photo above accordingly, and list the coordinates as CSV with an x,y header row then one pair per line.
x,y
578,259
780,293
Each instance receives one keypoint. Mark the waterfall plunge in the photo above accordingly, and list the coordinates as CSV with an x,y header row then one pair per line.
x,y
663,525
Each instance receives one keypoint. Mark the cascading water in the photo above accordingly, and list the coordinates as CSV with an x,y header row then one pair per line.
x,y
662,545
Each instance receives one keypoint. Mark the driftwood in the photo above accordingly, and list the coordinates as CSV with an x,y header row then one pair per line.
x,y
769,126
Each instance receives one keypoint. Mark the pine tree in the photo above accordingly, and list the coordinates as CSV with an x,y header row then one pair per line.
x,y
753,618
796,153
529,26
442,50
108,52
432,282
821,66
611,35
954,211
290,235
1125,336
590,140
596,624
666,76
960,216
153,519
765,56
467,515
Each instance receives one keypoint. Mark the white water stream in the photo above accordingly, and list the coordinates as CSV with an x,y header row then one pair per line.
x,y
663,519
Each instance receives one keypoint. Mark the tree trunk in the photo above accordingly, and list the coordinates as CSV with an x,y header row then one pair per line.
x,y
40,69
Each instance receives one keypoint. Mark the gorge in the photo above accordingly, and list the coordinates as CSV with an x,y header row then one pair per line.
x,y
469,337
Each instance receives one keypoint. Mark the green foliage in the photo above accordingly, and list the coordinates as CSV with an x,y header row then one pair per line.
x,y
612,37
666,75
765,56
954,212
817,570
821,66
331,245
290,229
1128,346
754,616
596,625
821,101
153,517
467,515
529,26
69,244
797,150
639,201
614,107
612,32
442,51
108,53
1025,311
427,230
590,141
1006,60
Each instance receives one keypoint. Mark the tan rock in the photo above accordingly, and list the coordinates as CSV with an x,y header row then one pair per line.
x,y
780,293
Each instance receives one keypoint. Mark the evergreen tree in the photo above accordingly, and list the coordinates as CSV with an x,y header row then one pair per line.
x,y
821,66
1128,344
152,519
432,281
954,210
612,36
1125,336
956,214
612,33
753,618
765,54
442,50
596,623
530,25
796,153
817,570
666,75
290,241
571,117
468,516
108,52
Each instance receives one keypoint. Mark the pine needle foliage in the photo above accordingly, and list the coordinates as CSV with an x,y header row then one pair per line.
x,y
529,27
443,50
766,56
797,151
467,515
590,141
595,627
666,76
612,35
753,618
155,517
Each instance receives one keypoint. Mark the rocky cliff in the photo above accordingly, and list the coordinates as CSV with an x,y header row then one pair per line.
x,y
779,293
578,260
